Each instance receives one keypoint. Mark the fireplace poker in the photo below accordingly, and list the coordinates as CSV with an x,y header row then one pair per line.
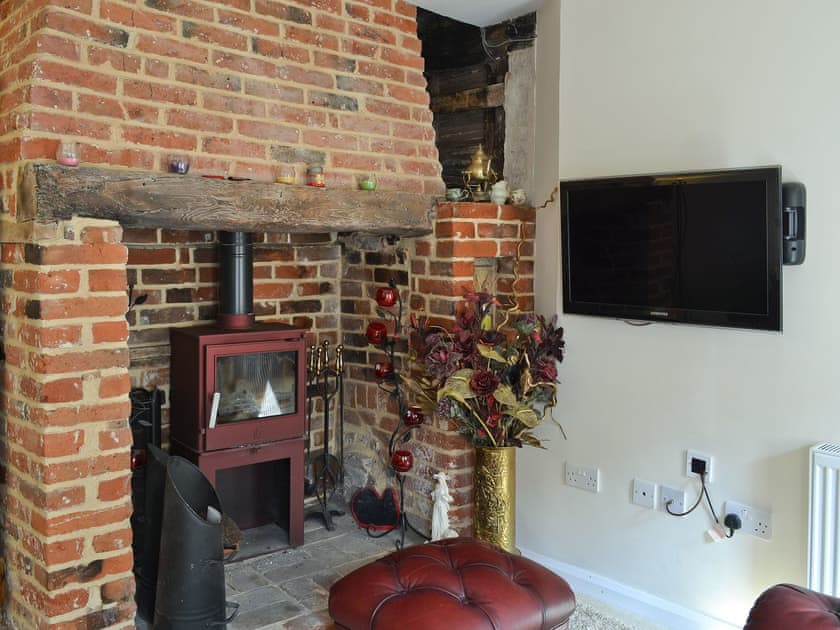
x,y
339,368
308,480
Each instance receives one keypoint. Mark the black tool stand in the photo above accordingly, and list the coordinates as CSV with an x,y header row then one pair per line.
x,y
328,383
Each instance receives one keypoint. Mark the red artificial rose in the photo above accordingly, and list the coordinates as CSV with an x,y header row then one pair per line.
x,y
484,383
546,370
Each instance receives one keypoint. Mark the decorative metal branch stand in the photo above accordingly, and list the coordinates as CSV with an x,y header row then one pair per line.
x,y
391,306
326,382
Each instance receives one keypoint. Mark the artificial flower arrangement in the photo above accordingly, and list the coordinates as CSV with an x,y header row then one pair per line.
x,y
497,382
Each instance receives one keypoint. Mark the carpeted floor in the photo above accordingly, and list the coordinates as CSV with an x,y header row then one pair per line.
x,y
591,614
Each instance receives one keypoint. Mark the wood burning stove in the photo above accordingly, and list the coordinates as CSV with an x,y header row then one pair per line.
x,y
232,389
238,402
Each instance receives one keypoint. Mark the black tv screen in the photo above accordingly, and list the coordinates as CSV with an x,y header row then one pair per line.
x,y
700,248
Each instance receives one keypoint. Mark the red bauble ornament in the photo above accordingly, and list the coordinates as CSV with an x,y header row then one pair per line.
x,y
387,296
383,370
413,416
402,461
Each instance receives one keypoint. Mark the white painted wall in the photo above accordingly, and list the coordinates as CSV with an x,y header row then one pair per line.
x,y
660,85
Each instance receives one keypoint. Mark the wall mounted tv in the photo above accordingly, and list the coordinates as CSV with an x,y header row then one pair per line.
x,y
699,248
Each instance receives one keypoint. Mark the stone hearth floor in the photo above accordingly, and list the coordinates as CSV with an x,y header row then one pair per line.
x,y
289,588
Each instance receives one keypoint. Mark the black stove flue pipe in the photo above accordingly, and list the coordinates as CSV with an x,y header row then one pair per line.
x,y
236,282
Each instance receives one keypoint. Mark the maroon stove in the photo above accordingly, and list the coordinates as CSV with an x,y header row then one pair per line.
x,y
237,402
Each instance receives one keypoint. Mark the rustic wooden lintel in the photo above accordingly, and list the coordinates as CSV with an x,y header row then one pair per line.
x,y
475,98
49,192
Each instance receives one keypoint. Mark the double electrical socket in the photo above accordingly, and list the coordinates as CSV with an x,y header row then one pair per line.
x,y
583,477
753,520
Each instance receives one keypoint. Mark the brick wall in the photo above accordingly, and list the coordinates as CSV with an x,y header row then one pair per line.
x,y
475,246
66,506
311,281
241,86
295,282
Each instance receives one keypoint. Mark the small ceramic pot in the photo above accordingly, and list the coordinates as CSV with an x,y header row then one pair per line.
x,y
456,194
517,196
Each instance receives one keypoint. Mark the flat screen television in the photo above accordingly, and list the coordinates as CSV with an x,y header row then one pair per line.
x,y
699,248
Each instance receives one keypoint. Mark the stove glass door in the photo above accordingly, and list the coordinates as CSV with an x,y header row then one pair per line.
x,y
256,385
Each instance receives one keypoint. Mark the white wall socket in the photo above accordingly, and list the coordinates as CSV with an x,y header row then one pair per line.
x,y
753,520
583,477
676,498
644,493
689,455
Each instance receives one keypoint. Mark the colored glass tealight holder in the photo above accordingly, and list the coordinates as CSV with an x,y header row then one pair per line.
x,y
376,333
67,154
179,164
367,182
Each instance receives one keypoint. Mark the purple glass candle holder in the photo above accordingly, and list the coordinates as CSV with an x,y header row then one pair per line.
x,y
179,164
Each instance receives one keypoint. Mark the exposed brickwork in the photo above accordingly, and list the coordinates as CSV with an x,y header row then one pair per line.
x,y
443,268
295,282
241,87
66,429
235,88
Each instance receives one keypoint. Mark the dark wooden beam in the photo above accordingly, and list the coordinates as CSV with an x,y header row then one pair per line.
x,y
49,192
477,98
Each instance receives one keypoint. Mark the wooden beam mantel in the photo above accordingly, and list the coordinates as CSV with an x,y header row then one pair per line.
x,y
49,192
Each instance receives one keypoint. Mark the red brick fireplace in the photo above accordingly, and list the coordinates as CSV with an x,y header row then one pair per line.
x,y
241,87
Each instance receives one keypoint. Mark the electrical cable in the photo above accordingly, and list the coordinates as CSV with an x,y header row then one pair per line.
x,y
487,48
508,40
704,492
709,500
693,507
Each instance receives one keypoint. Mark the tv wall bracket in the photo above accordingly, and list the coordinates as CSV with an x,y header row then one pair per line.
x,y
793,223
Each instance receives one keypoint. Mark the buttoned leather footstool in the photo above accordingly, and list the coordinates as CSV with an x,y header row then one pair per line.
x,y
456,583
786,606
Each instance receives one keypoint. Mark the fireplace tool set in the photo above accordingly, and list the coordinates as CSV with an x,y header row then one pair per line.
x,y
325,473
390,305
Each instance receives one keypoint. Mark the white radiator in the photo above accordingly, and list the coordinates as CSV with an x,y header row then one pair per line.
x,y
824,520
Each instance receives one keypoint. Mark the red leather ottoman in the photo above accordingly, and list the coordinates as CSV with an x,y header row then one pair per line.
x,y
785,607
453,583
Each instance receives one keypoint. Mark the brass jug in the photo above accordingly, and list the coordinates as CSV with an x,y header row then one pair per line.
x,y
479,175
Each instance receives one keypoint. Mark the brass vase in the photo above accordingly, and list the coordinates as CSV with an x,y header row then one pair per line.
x,y
494,487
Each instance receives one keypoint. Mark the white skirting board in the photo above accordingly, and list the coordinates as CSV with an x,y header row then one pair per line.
x,y
644,605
